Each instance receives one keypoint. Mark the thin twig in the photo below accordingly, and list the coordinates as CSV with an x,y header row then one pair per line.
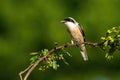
x,y
22,72
31,67
90,43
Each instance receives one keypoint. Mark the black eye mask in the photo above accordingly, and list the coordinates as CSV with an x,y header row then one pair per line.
x,y
70,20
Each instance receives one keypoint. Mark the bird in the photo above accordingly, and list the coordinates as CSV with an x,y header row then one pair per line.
x,y
77,35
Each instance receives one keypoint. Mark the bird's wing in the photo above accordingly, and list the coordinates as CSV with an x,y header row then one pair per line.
x,y
81,30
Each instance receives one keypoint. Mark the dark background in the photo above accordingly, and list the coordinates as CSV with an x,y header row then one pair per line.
x,y
31,25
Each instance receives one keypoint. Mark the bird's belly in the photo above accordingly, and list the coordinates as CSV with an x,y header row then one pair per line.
x,y
76,35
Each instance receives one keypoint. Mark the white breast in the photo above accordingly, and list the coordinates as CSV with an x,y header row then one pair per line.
x,y
70,25
74,31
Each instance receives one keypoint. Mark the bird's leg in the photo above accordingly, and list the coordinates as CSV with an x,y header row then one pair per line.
x,y
72,42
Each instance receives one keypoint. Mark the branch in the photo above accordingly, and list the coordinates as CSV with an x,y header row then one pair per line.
x,y
31,67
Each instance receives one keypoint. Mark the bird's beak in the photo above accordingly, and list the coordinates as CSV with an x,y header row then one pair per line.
x,y
63,21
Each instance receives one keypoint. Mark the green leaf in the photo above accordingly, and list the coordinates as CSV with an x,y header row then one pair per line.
x,y
34,58
111,42
64,60
34,53
55,65
44,51
108,56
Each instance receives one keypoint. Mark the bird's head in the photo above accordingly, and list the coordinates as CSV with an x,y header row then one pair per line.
x,y
69,21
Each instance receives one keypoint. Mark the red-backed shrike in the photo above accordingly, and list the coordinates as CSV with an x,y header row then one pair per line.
x,y
76,32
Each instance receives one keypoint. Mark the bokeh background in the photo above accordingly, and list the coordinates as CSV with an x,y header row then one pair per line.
x,y
31,25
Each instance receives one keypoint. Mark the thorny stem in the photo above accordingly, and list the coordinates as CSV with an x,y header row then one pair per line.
x,y
31,67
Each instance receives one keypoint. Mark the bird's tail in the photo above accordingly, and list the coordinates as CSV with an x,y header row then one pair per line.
x,y
83,52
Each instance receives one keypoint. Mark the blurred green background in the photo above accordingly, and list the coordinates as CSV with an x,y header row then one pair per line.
x,y
31,25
